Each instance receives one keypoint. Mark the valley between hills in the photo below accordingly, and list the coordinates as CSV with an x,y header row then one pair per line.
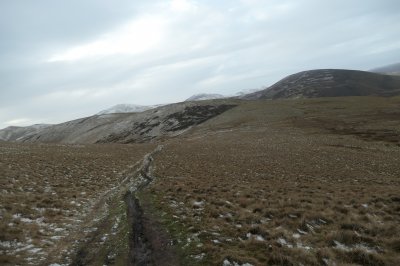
x,y
297,178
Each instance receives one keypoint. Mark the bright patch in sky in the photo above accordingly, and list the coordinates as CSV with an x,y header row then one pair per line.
x,y
61,60
136,37
182,5
17,122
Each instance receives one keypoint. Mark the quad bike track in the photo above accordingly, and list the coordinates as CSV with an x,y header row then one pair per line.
x,y
149,243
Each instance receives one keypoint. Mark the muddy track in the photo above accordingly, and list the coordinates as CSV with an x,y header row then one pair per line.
x,y
145,242
139,246
149,243
139,243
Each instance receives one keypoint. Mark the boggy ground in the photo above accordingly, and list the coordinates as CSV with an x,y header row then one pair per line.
x,y
286,183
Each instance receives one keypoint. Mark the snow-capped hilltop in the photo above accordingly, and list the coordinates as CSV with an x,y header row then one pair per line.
x,y
204,96
242,93
127,108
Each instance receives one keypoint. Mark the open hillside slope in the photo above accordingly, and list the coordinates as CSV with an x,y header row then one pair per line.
x,y
116,126
330,83
205,96
170,120
285,182
13,133
126,108
305,182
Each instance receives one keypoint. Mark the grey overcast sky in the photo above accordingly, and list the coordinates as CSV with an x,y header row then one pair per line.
x,y
61,60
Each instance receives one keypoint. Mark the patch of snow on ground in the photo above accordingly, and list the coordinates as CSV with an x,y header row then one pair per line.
x,y
26,220
35,250
226,262
24,248
301,232
283,242
363,247
255,237
115,225
300,245
341,246
11,244
265,220
199,256
310,227
198,203
17,216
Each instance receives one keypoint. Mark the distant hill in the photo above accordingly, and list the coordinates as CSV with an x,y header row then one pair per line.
x,y
126,108
330,83
134,123
16,133
204,96
393,69
246,92
166,121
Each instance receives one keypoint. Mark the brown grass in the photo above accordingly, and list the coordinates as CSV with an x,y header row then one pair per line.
x,y
310,182
281,190
48,195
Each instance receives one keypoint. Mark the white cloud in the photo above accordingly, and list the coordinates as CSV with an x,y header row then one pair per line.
x,y
18,122
167,50
384,47
136,37
254,11
182,5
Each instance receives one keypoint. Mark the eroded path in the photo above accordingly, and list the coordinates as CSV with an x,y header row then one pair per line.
x,y
145,245
126,234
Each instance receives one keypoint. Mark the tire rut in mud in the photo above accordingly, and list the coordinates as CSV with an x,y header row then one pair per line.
x,y
146,242
149,244
139,246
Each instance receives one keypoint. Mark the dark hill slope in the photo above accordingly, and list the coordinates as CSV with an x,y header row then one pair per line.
x,y
330,83
166,121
